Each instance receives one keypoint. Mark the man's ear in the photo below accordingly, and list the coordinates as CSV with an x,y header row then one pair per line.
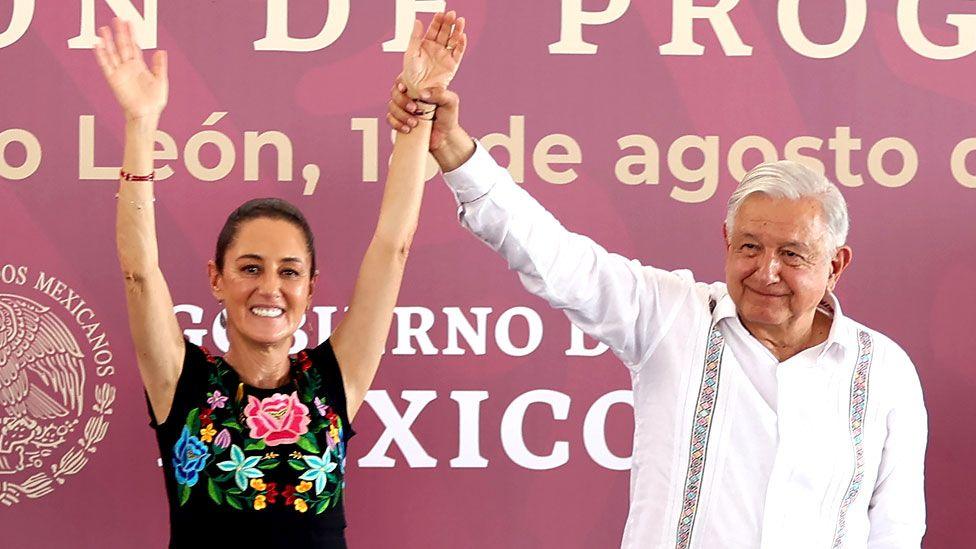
x,y
838,264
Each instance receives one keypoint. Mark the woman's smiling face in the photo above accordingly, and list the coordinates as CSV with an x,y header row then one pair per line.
x,y
266,283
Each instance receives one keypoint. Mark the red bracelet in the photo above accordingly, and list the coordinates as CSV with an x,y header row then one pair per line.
x,y
130,177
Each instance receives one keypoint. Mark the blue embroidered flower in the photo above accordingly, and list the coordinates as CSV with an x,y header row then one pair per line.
x,y
243,467
318,470
189,457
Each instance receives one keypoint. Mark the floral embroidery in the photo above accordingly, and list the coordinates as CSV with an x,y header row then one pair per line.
x,y
207,433
216,400
222,442
189,458
243,467
278,419
858,407
700,430
231,453
318,470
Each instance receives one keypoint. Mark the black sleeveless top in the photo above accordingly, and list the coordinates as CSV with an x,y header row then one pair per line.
x,y
249,467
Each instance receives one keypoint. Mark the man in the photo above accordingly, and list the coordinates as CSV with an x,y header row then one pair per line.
x,y
763,416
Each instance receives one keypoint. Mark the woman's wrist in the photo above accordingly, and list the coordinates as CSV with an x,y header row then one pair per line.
x,y
425,111
145,124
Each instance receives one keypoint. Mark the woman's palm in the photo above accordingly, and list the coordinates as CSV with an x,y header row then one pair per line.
x,y
434,67
140,91
432,60
137,89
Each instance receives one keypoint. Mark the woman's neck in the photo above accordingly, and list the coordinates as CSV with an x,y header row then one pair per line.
x,y
265,366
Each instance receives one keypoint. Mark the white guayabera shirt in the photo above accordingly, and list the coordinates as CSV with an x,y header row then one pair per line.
x,y
732,449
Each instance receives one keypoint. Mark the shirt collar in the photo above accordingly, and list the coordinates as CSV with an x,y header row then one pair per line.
x,y
840,339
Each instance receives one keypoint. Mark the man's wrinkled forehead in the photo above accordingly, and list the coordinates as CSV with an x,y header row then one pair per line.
x,y
786,221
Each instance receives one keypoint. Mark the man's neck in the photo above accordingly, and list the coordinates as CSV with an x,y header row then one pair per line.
x,y
786,341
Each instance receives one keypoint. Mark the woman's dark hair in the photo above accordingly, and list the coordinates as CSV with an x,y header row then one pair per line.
x,y
262,208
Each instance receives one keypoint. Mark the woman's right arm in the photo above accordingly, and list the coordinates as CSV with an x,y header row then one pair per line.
x,y
156,335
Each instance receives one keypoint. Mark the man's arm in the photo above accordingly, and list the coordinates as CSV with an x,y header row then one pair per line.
x,y
897,508
616,300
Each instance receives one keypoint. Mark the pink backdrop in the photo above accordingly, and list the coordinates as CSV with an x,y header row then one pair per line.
x,y
912,276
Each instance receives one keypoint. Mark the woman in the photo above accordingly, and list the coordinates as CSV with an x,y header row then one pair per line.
x,y
253,443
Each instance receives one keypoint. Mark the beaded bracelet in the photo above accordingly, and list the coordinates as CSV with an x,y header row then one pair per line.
x,y
126,176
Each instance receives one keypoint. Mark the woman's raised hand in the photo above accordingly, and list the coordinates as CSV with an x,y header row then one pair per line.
x,y
432,59
140,91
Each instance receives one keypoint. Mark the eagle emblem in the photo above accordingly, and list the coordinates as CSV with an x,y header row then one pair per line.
x,y
42,378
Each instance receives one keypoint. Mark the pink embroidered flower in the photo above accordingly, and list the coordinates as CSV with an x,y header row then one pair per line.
x,y
216,400
222,440
278,419
321,407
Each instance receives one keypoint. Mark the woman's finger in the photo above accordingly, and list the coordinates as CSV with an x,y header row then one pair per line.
x,y
102,57
458,52
446,24
108,43
160,67
123,42
133,43
434,27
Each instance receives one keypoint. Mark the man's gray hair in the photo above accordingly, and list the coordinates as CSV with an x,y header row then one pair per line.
x,y
793,181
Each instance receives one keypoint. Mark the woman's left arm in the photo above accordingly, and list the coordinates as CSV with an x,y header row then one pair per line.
x,y
430,61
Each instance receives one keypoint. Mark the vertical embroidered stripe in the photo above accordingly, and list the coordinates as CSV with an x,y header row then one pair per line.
x,y
704,411
858,407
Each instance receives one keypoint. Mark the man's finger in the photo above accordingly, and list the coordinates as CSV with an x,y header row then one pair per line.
x,y
402,116
401,99
442,97
396,124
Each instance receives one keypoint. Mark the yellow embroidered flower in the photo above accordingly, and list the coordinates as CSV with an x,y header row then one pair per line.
x,y
296,454
334,432
258,485
260,503
303,486
300,505
207,433
271,455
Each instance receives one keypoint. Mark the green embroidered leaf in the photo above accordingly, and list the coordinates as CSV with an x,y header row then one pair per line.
x,y
193,421
255,444
231,423
219,450
297,464
225,477
235,491
184,493
234,502
307,443
322,505
268,464
214,491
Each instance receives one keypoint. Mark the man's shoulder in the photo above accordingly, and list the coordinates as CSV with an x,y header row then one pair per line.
x,y
890,362
683,281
